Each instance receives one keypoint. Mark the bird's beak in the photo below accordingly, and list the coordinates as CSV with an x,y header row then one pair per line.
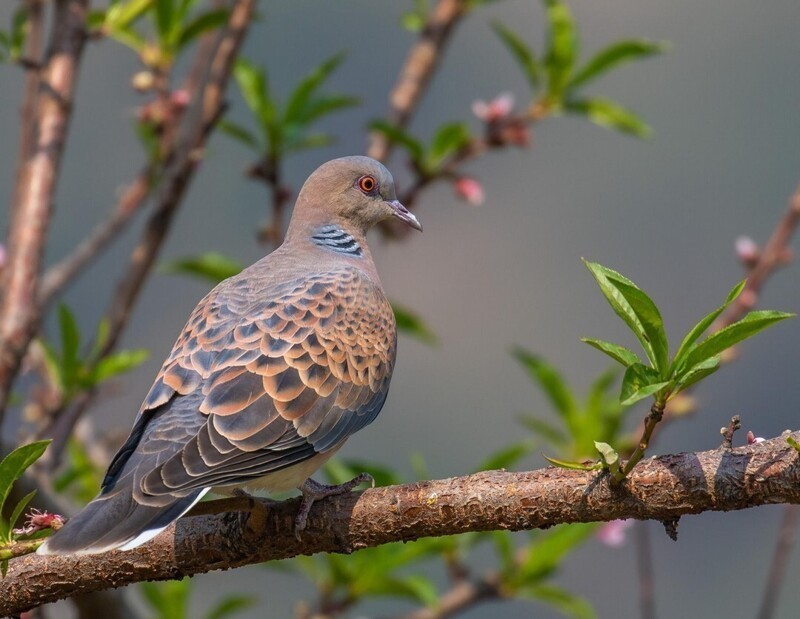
x,y
404,215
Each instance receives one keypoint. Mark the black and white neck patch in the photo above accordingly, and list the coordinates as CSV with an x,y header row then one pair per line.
x,y
332,237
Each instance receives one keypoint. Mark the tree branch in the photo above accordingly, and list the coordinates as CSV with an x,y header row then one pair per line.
x,y
663,488
776,253
60,275
418,69
30,218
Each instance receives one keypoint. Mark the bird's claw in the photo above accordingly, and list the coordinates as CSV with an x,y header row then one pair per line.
x,y
314,491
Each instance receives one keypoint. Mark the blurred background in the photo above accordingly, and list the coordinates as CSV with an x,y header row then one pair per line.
x,y
722,162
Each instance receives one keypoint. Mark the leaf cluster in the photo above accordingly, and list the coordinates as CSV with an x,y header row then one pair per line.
x,y
598,416
174,24
559,80
428,159
663,377
170,600
72,372
12,467
285,128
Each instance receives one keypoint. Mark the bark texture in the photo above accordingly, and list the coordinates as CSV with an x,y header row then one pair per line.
x,y
662,488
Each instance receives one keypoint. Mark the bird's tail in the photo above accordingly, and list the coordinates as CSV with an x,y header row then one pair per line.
x,y
116,520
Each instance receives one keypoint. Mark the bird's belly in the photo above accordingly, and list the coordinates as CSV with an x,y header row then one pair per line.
x,y
284,480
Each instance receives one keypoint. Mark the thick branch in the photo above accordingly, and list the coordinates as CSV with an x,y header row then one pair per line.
x,y
34,196
663,488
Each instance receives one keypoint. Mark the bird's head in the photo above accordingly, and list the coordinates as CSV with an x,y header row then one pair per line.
x,y
357,191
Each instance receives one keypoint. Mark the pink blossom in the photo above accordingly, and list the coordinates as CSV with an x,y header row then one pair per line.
x,y
38,520
747,250
3,256
469,189
752,438
614,533
496,109
180,98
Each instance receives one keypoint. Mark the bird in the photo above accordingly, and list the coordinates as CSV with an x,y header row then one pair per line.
x,y
276,367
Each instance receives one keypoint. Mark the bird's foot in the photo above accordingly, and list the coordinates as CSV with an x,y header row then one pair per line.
x,y
314,491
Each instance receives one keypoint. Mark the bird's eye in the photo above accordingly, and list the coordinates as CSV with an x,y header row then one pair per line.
x,y
367,184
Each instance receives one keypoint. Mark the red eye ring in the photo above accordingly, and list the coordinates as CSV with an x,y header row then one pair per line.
x,y
367,184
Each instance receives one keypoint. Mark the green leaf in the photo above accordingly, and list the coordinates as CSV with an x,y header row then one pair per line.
x,y
19,509
254,87
19,23
701,327
14,465
70,343
230,606
562,46
505,458
412,22
613,56
411,323
301,97
415,586
609,455
609,115
324,105
793,443
697,373
204,22
164,18
237,132
574,466
617,353
211,266
639,382
169,599
544,429
118,363
562,600
123,14
637,310
546,552
52,363
523,54
400,137
732,335
550,380
449,139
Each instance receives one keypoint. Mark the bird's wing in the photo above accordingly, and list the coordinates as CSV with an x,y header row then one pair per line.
x,y
256,384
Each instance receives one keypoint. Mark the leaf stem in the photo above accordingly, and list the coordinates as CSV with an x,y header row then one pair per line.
x,y
13,549
650,422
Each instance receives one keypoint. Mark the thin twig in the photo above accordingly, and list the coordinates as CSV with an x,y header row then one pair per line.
x,y
777,572
460,597
776,253
659,488
418,69
727,433
181,165
99,238
181,170
19,315
650,422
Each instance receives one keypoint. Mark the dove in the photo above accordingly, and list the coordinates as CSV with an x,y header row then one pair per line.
x,y
274,370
